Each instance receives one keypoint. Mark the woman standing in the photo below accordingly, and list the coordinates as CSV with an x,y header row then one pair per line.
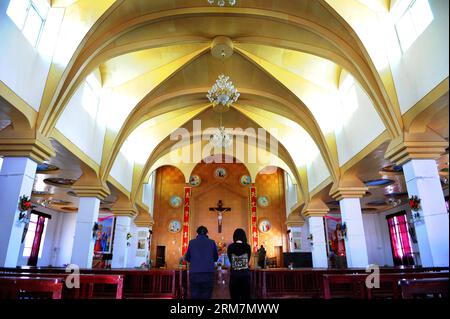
x,y
239,253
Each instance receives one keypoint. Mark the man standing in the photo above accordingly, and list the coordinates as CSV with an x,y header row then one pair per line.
x,y
201,254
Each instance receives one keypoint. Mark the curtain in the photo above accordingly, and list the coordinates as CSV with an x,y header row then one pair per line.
x,y
395,247
32,261
400,240
405,242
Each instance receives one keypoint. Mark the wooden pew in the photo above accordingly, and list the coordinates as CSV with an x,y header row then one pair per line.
x,y
437,287
354,285
88,282
30,288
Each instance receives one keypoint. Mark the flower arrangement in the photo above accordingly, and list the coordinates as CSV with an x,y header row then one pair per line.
x,y
24,208
128,238
414,203
24,203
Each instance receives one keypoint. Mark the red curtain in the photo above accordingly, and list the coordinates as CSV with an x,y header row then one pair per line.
x,y
401,244
32,261
394,242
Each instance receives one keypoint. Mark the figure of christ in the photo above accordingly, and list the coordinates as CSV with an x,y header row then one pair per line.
x,y
220,210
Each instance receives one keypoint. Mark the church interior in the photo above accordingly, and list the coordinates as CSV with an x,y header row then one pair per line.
x,y
320,127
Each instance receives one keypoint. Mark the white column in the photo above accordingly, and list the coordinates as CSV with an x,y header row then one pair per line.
x,y
16,179
120,247
319,247
355,243
84,241
422,180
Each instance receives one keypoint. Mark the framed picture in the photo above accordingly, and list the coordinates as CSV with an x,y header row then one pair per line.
x,y
263,201
220,173
245,180
141,244
195,180
264,226
296,243
175,226
104,235
175,201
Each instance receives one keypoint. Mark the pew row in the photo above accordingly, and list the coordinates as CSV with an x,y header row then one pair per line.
x,y
423,288
358,285
91,286
30,288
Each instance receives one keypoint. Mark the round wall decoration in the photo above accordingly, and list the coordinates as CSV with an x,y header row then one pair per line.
x,y
264,226
195,180
263,201
220,173
175,201
174,226
245,180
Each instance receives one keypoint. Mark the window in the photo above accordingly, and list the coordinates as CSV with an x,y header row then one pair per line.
x,y
29,16
413,23
400,240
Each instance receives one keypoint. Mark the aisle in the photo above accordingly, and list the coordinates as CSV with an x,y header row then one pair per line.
x,y
221,282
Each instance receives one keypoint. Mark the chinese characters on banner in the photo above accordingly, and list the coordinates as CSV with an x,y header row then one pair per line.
x,y
254,219
187,210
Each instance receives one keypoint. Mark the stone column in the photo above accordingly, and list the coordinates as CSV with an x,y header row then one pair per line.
x,y
351,214
144,224
432,228
124,216
16,179
417,151
84,239
121,243
314,212
87,216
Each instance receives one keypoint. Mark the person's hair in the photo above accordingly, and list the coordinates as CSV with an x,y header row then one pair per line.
x,y
239,234
202,230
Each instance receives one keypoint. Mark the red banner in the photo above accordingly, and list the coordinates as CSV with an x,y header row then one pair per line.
x,y
254,219
187,211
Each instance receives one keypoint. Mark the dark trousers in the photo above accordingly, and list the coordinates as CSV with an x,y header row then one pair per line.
x,y
240,286
201,285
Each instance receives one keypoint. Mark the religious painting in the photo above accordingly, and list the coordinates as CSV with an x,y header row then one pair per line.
x,y
175,201
104,235
264,226
195,180
141,244
263,201
245,180
220,173
175,226
297,243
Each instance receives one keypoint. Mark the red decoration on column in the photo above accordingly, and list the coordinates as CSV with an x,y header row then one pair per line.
x,y
187,211
254,219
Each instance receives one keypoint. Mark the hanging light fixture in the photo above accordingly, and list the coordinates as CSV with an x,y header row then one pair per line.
x,y
223,92
221,138
221,3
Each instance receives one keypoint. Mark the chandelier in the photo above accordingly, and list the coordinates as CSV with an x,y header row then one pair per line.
x,y
221,3
223,92
221,138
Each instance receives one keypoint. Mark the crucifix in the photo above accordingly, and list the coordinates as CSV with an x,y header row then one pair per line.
x,y
220,210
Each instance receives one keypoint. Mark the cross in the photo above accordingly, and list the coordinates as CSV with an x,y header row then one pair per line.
x,y
220,210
